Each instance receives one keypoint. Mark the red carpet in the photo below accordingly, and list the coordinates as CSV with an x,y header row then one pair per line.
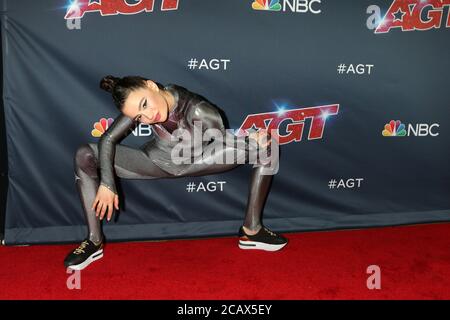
x,y
414,262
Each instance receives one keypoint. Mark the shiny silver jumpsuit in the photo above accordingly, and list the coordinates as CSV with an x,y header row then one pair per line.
x,y
96,164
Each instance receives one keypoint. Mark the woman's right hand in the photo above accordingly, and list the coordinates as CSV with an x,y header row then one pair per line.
x,y
104,202
262,137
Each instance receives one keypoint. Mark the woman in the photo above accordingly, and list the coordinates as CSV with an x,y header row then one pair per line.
x,y
169,110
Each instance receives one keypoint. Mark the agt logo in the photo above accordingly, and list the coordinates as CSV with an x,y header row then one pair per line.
x,y
142,130
301,6
410,15
398,129
77,8
292,120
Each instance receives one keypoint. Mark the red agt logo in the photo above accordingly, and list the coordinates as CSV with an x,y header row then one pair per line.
x,y
78,8
409,15
295,119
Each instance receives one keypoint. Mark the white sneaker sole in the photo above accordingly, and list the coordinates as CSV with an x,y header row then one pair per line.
x,y
93,257
249,245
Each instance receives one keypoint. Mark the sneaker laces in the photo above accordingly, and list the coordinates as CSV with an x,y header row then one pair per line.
x,y
270,232
81,247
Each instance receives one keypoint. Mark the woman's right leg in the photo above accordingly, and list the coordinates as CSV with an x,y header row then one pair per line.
x,y
128,163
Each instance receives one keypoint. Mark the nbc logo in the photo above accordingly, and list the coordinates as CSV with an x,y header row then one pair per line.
x,y
101,126
394,129
398,129
301,6
272,5
142,130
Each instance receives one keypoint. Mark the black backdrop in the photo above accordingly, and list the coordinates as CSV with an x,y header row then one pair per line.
x,y
258,61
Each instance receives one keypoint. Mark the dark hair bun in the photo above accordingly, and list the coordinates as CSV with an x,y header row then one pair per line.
x,y
108,82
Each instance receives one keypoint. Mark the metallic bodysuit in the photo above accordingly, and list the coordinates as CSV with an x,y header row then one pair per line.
x,y
153,159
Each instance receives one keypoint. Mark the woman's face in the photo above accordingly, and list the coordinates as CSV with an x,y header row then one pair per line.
x,y
147,105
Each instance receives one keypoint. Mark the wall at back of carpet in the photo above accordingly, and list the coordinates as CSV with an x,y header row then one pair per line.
x,y
358,93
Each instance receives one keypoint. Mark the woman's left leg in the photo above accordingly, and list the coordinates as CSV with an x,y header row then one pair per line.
x,y
260,180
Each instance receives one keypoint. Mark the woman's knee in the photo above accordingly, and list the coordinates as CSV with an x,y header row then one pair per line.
x,y
85,159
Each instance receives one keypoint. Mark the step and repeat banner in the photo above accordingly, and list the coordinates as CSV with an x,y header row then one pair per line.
x,y
358,91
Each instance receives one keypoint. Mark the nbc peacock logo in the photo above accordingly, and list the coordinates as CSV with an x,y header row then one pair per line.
x,y
394,129
271,5
101,126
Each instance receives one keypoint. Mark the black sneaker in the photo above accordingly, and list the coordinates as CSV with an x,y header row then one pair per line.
x,y
86,253
263,240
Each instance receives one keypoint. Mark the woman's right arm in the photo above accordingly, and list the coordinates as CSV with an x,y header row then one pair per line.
x,y
120,128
